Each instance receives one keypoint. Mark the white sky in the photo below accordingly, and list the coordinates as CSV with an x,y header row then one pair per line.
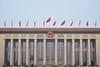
x,y
59,10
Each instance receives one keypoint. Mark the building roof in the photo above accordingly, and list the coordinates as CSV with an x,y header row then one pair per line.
x,y
42,30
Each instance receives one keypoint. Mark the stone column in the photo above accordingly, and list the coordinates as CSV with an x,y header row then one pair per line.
x,y
35,58
81,53
19,52
65,55
88,53
11,52
44,52
27,51
4,44
73,53
55,52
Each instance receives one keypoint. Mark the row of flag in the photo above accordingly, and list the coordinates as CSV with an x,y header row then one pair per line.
x,y
48,20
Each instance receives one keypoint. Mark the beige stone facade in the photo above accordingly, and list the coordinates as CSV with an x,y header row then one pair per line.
x,y
58,35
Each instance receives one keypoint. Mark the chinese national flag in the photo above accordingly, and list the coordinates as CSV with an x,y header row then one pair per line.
x,y
54,23
48,20
63,23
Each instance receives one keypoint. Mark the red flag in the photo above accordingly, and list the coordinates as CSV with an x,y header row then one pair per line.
x,y
54,23
87,23
79,23
71,23
48,20
63,23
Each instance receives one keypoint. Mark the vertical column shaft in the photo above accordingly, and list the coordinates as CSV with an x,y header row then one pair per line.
x,y
73,53
11,52
81,52
19,52
27,51
44,52
88,53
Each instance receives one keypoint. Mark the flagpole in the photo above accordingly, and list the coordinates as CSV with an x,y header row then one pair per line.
x,y
95,24
12,24
19,23
27,24
43,23
4,24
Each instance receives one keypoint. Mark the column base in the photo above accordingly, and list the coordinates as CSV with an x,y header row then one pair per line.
x,y
73,66
3,65
11,65
26,65
89,65
35,65
97,65
44,65
55,65
65,65
81,65
19,65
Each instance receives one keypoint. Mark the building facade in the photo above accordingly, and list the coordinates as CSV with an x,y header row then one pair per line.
x,y
58,47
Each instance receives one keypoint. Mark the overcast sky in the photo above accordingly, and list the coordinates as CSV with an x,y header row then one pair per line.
x,y
58,10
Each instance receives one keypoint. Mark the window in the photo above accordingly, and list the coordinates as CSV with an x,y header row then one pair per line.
x,y
23,43
39,50
69,51
50,50
23,51
23,58
84,58
93,51
60,50
77,58
77,43
92,43
84,43
15,58
7,52
31,49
